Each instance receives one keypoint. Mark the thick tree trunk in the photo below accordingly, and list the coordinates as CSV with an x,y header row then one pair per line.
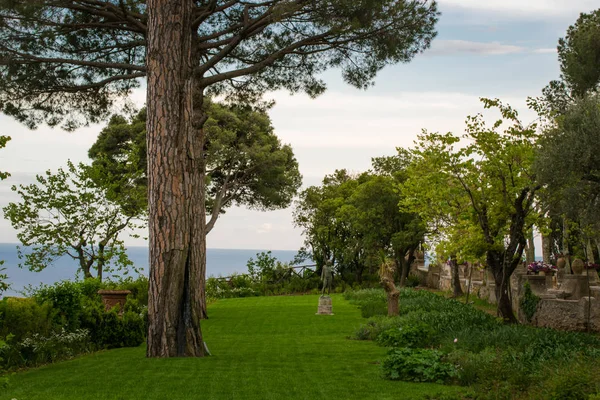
x,y
502,272
176,184
456,288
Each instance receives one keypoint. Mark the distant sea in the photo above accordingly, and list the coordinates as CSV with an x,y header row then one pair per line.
x,y
219,262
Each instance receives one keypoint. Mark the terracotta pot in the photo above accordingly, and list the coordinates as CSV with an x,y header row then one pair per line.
x,y
561,262
577,266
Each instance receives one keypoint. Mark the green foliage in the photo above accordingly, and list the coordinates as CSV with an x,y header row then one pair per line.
x,y
529,302
37,349
415,335
114,331
138,288
507,360
66,213
20,317
373,308
412,281
579,52
4,285
571,188
355,219
67,64
3,141
578,382
65,297
476,192
245,161
263,268
67,308
418,365
275,345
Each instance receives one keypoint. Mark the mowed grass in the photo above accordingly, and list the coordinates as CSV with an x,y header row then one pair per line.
x,y
263,348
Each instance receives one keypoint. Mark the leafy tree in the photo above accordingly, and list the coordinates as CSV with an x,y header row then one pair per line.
x,y
66,213
579,59
478,195
356,220
69,61
567,165
579,54
3,175
245,161
316,213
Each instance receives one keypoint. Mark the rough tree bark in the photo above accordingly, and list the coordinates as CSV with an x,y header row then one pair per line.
x,y
502,270
175,165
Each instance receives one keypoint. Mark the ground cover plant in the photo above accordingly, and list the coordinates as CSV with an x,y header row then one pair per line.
x,y
263,348
439,339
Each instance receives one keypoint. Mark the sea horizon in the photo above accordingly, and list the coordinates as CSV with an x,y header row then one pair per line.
x,y
219,262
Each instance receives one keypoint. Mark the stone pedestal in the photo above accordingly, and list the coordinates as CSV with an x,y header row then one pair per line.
x,y
113,298
325,307
539,284
575,285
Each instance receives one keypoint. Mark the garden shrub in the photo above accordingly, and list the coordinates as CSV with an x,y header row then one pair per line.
x,y
65,298
418,365
113,331
21,317
373,308
138,288
500,361
416,335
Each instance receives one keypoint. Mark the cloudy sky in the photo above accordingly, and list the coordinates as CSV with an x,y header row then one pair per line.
x,y
491,48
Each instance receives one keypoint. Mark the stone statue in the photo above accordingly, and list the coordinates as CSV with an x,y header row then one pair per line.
x,y
327,277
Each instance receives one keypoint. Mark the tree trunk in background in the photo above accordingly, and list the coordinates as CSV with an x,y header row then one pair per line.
x,y
456,289
386,276
530,254
546,248
176,184
565,245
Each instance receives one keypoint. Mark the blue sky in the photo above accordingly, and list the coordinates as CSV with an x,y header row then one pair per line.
x,y
484,48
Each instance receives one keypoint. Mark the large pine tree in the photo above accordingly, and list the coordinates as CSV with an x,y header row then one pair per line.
x,y
69,61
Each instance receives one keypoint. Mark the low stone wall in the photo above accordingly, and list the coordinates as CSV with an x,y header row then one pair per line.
x,y
568,315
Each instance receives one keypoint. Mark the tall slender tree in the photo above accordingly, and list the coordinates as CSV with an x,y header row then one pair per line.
x,y
479,195
68,61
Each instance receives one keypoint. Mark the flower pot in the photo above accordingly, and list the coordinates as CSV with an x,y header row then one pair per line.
x,y
577,266
561,262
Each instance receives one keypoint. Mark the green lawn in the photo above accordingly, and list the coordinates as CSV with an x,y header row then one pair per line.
x,y
263,348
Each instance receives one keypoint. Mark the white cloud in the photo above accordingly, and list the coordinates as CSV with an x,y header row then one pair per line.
x,y
447,47
369,123
545,51
555,8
